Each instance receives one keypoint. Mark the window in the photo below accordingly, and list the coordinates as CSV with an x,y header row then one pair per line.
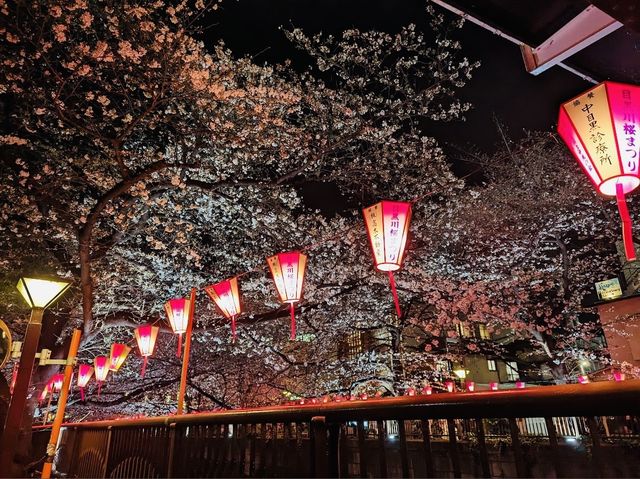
x,y
512,371
491,364
463,330
483,333
354,344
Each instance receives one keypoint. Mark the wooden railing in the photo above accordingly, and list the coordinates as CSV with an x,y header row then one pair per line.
x,y
562,431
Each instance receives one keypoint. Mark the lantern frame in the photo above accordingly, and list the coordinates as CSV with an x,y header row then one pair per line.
x,y
85,372
101,370
178,322
229,308
117,356
277,274
149,344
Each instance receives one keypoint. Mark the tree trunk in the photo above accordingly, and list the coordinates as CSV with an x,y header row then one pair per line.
x,y
86,282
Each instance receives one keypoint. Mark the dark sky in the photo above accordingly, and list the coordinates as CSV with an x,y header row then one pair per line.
x,y
500,87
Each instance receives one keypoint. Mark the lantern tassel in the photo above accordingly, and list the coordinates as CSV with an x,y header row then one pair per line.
x,y
293,322
144,366
392,281
627,234
233,328
99,387
179,345
82,394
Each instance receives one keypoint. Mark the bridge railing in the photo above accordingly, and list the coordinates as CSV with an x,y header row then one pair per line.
x,y
556,431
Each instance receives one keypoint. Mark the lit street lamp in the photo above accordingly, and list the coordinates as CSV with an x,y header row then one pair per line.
x,y
39,294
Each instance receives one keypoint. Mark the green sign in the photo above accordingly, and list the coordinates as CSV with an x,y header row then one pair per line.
x,y
609,289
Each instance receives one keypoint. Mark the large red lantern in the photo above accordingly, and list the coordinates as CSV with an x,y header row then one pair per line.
x,y
118,355
288,270
101,364
387,225
146,337
56,381
226,295
601,127
177,311
84,376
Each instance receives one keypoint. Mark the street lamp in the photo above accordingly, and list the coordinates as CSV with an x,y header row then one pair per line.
x,y
39,294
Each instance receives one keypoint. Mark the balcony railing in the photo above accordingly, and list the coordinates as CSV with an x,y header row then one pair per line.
x,y
576,430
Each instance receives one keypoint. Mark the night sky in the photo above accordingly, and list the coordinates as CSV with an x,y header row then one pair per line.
x,y
500,88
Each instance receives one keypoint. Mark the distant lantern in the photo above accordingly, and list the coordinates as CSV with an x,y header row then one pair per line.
x,y
601,127
520,384
146,337
619,376
288,270
450,386
583,379
427,390
57,381
471,386
118,355
101,364
43,395
84,376
226,295
177,311
493,386
387,225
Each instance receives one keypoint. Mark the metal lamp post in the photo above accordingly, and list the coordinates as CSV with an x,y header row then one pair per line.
x,y
39,294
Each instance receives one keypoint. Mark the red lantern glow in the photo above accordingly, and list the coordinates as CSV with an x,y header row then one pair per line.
x,y
226,295
177,311
619,376
427,390
288,270
84,376
601,127
57,381
450,386
146,337
101,364
387,225
493,386
118,355
43,395
471,386
583,379
520,384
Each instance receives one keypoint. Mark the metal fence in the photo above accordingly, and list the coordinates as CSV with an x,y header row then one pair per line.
x,y
587,430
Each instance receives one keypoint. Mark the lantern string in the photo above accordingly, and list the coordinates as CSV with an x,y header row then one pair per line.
x,y
627,233
179,345
392,281
293,322
82,394
99,387
233,328
144,366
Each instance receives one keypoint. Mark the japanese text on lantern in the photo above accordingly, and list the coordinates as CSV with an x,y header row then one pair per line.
x,y
625,121
373,217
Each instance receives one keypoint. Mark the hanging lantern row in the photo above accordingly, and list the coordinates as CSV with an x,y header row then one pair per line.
x,y
226,296
84,376
177,311
146,336
601,127
117,356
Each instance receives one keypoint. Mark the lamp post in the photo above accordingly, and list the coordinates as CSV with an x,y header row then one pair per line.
x,y
39,294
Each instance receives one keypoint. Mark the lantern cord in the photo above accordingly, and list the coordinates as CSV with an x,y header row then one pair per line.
x,y
144,366
99,387
233,329
627,234
179,345
82,394
293,322
392,281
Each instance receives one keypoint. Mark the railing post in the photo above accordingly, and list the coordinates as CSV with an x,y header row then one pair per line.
x,y
381,453
172,448
453,448
252,451
553,445
334,449
362,450
517,450
404,458
319,447
107,452
482,446
426,446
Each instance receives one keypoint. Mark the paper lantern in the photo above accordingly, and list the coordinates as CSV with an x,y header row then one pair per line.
x,y
583,379
177,311
520,384
101,365
471,386
226,295
43,395
118,355
450,386
84,376
601,127
619,376
427,390
57,381
287,270
387,225
493,386
146,337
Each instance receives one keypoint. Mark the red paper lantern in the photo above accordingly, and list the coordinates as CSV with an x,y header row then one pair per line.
x,y
619,376
450,386
101,364
226,295
84,376
583,379
520,384
118,355
493,386
57,381
177,311
43,395
146,337
387,225
288,270
601,127
427,390
471,386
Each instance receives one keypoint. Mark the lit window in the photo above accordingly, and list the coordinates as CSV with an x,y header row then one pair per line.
x,y
463,330
512,371
483,333
491,364
354,344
